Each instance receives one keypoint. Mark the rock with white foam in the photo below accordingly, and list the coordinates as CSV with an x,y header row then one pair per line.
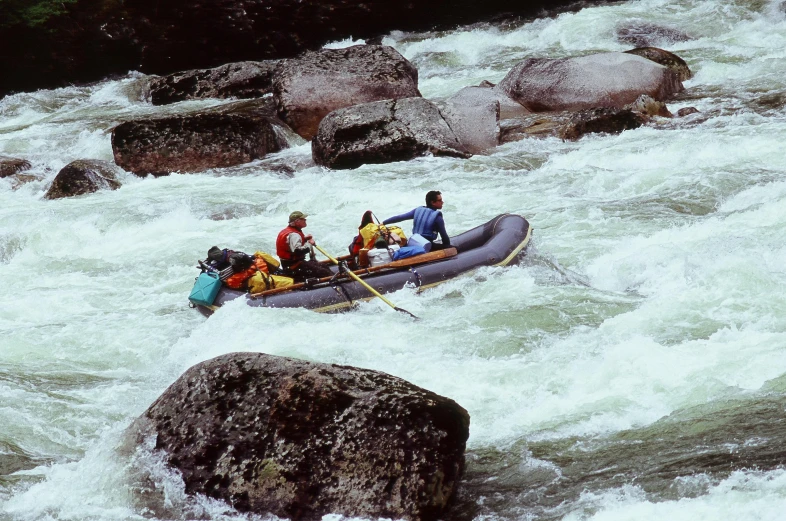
x,y
599,80
83,176
300,440
384,132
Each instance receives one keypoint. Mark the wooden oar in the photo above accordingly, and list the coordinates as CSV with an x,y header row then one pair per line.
x,y
372,290
403,263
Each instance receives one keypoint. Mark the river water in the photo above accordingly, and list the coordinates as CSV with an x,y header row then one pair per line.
x,y
632,366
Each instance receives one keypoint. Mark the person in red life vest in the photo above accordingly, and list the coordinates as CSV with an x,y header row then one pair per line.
x,y
293,246
428,220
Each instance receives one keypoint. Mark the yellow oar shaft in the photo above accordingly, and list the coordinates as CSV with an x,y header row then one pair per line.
x,y
372,290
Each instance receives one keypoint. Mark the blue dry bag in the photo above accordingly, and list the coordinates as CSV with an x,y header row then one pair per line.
x,y
408,251
205,289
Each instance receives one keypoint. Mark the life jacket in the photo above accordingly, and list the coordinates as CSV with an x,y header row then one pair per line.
x,y
424,220
288,258
357,244
357,241
371,232
238,280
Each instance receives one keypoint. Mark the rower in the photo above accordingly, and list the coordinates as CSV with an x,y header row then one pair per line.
x,y
293,246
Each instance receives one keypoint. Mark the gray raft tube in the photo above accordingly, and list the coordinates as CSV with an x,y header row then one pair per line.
x,y
495,243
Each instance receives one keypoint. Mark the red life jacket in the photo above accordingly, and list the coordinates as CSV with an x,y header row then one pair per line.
x,y
288,258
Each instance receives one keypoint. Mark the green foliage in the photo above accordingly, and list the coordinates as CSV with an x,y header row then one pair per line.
x,y
31,13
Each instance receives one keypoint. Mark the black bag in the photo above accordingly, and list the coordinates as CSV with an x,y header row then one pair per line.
x,y
221,259
218,258
240,261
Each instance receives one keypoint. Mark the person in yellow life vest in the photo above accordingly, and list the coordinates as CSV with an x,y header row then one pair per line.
x,y
293,246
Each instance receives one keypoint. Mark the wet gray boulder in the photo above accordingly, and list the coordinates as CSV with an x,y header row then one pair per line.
x,y
540,124
83,176
597,80
475,125
574,124
485,94
384,132
643,34
234,80
226,136
11,165
299,440
665,58
308,88
601,119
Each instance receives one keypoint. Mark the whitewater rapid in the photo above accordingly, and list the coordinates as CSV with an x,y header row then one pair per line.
x,y
633,366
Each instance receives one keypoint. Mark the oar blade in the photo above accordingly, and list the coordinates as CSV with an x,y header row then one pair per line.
x,y
405,311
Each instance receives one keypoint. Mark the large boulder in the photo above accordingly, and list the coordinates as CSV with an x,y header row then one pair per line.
x,y
230,135
665,58
484,94
11,165
234,80
83,176
383,132
300,440
308,88
598,80
476,125
61,43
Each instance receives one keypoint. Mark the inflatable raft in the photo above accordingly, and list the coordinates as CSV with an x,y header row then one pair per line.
x,y
496,243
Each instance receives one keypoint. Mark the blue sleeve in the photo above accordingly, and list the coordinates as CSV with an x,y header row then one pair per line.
x,y
402,217
439,224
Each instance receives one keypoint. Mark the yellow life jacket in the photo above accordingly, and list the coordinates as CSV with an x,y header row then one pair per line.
x,y
372,231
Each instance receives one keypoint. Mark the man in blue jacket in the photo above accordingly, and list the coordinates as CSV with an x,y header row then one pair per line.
x,y
428,220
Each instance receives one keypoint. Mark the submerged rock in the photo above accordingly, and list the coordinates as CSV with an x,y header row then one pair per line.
x,y
309,87
83,176
642,34
383,132
11,165
687,111
233,80
230,135
665,58
648,107
598,80
300,440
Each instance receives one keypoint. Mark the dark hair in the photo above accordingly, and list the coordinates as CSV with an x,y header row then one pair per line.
x,y
431,197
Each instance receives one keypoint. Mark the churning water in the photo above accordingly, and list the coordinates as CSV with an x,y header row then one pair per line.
x,y
632,366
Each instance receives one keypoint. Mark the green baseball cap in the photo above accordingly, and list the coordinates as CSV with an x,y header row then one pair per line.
x,y
294,216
